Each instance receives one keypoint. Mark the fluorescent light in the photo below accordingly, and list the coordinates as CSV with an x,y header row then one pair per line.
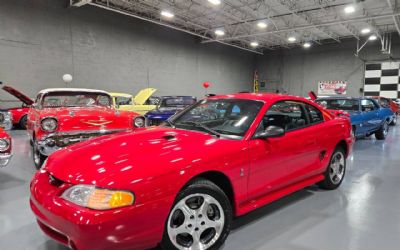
x,y
307,45
372,38
365,31
219,32
291,39
254,44
167,14
215,2
349,9
262,24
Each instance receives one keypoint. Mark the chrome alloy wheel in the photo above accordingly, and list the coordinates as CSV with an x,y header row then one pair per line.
x,y
385,128
337,167
196,222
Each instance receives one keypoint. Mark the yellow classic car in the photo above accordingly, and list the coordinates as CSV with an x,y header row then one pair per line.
x,y
141,103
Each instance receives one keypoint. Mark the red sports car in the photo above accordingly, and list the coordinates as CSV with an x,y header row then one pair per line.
x,y
180,184
5,148
19,114
61,117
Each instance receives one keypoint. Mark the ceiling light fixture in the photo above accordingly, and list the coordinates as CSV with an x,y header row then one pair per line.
x,y
167,14
254,44
262,25
372,38
215,2
219,32
349,9
291,39
365,31
307,45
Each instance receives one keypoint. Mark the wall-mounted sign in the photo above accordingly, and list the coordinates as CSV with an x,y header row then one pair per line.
x,y
332,87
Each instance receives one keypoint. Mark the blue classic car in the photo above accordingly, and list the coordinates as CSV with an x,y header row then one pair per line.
x,y
168,106
366,115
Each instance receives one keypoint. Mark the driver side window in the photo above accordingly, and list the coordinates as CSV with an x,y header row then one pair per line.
x,y
289,115
367,105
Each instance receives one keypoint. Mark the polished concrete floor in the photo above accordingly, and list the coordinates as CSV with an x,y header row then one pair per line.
x,y
364,214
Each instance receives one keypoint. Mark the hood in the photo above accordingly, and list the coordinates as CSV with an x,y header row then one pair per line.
x,y
93,118
143,95
312,95
141,155
23,98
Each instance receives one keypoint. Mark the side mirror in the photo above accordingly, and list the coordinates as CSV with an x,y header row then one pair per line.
x,y
271,132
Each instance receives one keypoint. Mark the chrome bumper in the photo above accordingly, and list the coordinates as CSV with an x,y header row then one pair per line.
x,y
6,125
5,159
57,141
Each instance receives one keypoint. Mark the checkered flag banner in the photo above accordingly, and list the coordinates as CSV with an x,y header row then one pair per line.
x,y
382,79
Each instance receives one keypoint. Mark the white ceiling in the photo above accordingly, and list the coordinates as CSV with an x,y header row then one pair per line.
x,y
318,21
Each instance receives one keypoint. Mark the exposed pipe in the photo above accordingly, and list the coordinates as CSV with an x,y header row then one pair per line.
x,y
396,23
170,26
303,27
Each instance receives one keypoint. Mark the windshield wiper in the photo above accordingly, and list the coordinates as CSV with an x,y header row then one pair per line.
x,y
170,123
200,125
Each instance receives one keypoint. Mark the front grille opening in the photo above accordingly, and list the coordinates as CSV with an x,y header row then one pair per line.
x,y
55,181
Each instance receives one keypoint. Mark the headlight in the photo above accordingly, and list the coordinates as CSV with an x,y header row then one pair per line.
x,y
139,122
4,145
96,198
49,124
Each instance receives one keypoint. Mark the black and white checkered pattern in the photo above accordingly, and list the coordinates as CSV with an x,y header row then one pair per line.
x,y
382,79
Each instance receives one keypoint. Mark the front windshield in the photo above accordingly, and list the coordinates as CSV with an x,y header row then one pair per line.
x,y
75,99
230,117
177,102
339,104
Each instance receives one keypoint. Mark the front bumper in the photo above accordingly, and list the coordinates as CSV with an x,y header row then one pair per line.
x,y
5,159
56,141
133,227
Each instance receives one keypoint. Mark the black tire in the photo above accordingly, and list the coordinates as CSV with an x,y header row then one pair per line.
x,y
195,191
382,132
394,122
23,121
38,158
330,182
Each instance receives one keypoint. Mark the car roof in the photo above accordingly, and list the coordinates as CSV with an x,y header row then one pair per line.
x,y
177,96
49,90
341,98
266,97
121,94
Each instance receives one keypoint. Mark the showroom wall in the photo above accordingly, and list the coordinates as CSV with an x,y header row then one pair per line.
x,y
41,40
298,71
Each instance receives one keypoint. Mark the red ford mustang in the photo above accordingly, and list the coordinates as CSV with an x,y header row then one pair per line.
x,y
180,184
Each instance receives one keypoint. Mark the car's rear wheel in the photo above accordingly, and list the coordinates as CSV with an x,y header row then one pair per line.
x,y
335,171
23,121
200,218
382,131
38,158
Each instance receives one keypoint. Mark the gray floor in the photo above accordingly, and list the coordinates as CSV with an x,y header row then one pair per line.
x,y
364,214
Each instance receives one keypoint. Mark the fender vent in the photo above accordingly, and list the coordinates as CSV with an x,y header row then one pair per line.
x,y
322,155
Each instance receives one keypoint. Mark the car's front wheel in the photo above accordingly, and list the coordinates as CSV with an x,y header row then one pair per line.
x,y
38,158
335,171
382,131
394,121
200,218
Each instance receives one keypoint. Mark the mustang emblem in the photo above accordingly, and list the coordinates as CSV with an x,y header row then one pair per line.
x,y
97,123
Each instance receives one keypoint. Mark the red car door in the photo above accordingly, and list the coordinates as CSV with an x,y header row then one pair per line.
x,y
273,161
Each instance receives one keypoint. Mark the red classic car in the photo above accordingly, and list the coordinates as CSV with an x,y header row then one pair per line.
x,y
181,183
61,117
5,148
19,114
